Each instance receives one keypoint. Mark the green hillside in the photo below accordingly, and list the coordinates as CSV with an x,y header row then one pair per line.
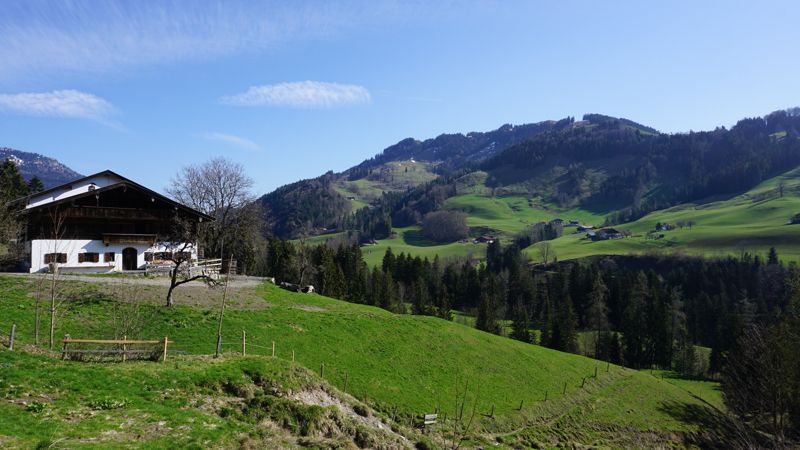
x,y
400,364
753,221
387,177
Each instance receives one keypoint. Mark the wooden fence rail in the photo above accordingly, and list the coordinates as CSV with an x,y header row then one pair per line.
x,y
124,350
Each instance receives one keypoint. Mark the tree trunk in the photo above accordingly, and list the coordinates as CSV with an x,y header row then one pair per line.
x,y
53,307
172,285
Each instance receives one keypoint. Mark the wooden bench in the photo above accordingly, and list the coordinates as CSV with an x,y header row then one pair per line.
x,y
122,350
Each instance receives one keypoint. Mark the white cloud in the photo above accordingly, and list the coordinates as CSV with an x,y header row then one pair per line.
x,y
63,103
238,141
301,94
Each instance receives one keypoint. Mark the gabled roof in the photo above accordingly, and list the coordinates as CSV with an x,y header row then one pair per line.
x,y
124,182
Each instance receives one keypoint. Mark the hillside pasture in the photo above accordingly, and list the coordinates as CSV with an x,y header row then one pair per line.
x,y
400,364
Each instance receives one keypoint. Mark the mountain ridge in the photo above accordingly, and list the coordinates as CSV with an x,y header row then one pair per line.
x,y
50,171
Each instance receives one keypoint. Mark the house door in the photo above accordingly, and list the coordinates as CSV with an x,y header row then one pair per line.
x,y
129,257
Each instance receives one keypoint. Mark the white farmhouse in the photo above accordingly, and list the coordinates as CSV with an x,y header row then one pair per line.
x,y
104,223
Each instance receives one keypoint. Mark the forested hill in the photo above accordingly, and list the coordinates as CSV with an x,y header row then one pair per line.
x,y
611,167
454,151
617,166
299,207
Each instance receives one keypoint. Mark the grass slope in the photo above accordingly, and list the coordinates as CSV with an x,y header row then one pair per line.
x,y
752,221
408,364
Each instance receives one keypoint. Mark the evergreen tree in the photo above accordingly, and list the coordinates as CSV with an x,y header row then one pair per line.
x,y
634,324
597,314
35,185
521,323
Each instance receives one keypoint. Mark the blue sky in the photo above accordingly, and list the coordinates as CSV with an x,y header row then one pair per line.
x,y
293,89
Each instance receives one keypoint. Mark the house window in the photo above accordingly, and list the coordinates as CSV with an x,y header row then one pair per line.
x,y
50,258
88,257
183,256
109,257
148,256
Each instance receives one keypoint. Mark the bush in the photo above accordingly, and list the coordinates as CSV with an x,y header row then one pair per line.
x,y
445,226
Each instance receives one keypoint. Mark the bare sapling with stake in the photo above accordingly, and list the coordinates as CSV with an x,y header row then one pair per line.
x,y
222,308
57,232
460,426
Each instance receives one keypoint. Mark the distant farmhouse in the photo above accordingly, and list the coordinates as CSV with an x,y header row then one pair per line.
x,y
103,223
605,234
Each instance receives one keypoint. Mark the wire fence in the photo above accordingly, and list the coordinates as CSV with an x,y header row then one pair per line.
x,y
341,378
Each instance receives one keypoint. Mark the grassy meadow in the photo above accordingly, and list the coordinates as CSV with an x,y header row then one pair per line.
x,y
399,364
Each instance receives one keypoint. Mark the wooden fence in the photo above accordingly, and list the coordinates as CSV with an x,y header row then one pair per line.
x,y
116,347
210,267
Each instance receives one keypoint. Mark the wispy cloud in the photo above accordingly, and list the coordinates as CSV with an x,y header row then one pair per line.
x,y
63,103
82,36
238,141
301,94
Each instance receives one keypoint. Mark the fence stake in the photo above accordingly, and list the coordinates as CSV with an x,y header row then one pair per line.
x,y
11,338
273,349
166,341
565,389
64,347
124,348
608,366
244,343
346,376
322,370
520,406
583,382
292,355
545,395
595,371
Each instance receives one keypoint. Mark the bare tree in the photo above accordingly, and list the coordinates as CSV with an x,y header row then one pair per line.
x,y
221,189
546,252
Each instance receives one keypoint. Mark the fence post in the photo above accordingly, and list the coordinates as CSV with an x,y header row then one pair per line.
x,y
346,377
583,382
244,343
545,395
11,338
124,348
166,341
64,347
322,370
565,389
273,349
520,406
608,366
292,355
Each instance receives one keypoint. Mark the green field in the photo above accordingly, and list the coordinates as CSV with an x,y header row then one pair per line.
x,y
753,221
402,364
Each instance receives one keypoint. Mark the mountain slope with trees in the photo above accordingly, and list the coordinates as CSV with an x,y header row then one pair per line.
x,y
48,170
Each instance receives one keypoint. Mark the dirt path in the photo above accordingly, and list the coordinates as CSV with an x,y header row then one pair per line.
x,y
235,282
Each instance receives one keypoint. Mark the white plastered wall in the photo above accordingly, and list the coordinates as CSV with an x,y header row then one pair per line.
x,y
73,247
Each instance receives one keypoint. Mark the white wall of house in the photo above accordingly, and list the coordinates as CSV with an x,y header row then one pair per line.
x,y
72,247
99,181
